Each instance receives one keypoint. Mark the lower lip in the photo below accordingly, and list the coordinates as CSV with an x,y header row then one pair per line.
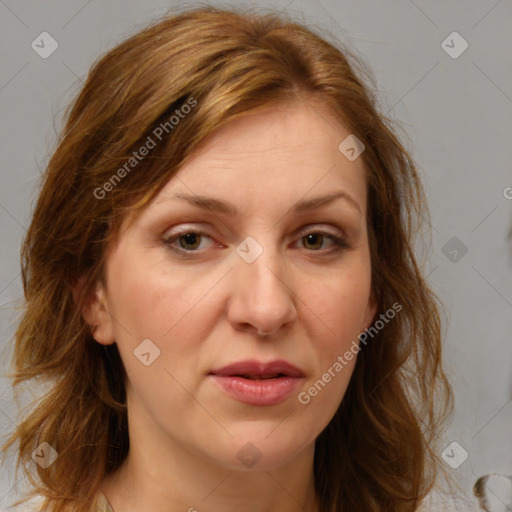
x,y
258,392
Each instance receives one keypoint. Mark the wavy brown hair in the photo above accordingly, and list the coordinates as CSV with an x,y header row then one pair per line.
x,y
377,453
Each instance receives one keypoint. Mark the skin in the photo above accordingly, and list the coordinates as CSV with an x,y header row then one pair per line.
x,y
204,310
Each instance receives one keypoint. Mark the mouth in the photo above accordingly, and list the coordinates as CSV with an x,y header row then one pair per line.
x,y
260,377
255,370
256,383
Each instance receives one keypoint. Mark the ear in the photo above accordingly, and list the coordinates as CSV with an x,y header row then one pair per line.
x,y
95,312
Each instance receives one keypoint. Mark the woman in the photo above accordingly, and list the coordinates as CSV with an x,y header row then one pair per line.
x,y
221,287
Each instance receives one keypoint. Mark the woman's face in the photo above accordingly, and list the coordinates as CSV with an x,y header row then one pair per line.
x,y
283,250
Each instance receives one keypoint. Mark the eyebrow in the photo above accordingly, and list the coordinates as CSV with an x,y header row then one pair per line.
x,y
212,204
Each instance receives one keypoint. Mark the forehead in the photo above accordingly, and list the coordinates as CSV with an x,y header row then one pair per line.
x,y
273,156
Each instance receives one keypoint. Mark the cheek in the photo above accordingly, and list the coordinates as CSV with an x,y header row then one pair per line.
x,y
148,302
337,312
341,305
152,301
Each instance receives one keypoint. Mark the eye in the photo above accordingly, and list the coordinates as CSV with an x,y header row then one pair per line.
x,y
186,241
314,240
190,241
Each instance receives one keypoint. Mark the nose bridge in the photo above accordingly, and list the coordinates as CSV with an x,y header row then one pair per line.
x,y
264,295
261,264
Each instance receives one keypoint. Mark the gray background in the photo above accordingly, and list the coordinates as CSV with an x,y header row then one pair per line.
x,y
456,113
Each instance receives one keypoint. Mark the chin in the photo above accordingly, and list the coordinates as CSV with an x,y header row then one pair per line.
x,y
260,453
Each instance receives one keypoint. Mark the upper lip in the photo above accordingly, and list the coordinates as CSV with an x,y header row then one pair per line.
x,y
258,368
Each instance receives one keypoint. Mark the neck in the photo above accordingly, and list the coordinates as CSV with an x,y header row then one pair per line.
x,y
161,474
134,487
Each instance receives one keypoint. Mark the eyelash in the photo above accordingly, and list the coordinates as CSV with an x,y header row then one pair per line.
x,y
339,242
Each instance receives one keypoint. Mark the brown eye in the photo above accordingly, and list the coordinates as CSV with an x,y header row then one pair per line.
x,y
313,240
190,241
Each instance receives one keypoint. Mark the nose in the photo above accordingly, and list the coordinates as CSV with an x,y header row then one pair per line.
x,y
262,299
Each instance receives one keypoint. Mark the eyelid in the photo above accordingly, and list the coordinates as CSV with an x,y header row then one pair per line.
x,y
314,228
337,232
185,228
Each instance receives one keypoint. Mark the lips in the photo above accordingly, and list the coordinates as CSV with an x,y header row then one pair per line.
x,y
258,370
258,383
